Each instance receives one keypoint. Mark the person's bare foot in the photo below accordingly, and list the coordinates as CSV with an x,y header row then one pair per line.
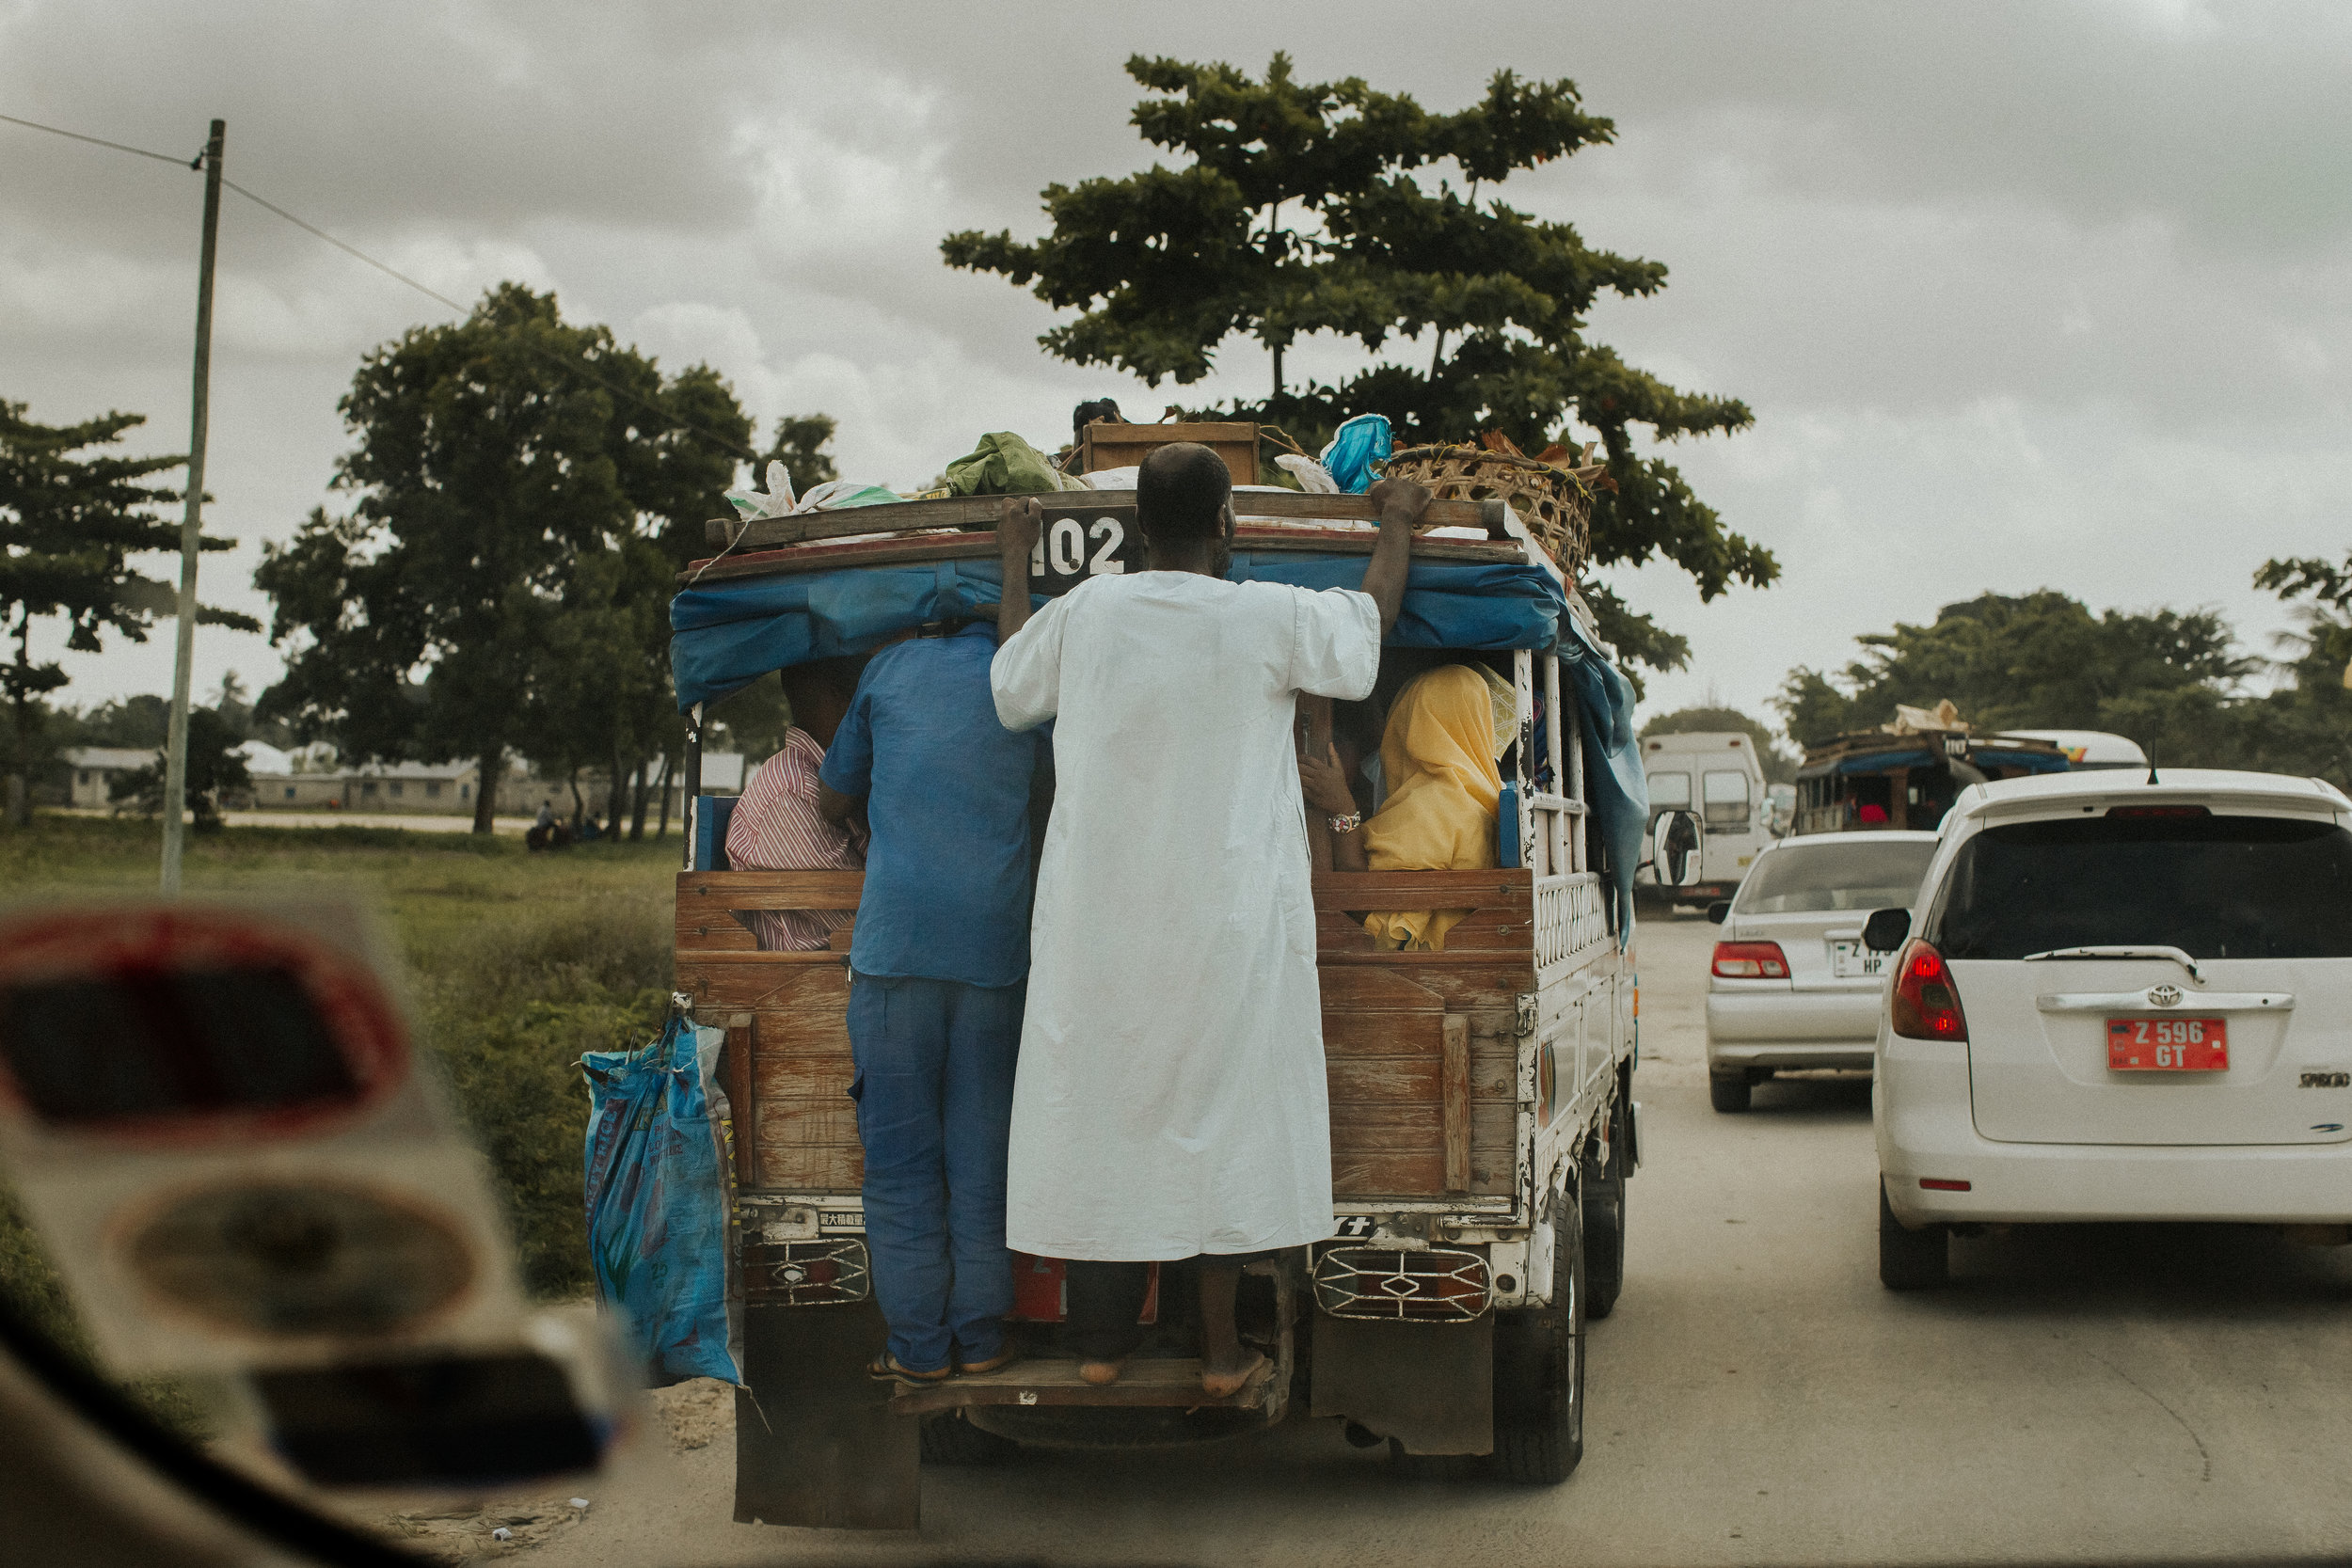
x,y
1100,1373
1227,1376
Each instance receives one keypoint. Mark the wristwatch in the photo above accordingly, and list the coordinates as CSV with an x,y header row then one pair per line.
x,y
1348,824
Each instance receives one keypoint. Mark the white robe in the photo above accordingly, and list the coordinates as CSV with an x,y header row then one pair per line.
x,y
1171,1097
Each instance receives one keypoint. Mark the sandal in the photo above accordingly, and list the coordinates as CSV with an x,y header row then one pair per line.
x,y
886,1368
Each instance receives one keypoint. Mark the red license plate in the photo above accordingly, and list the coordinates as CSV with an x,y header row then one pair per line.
x,y
2167,1045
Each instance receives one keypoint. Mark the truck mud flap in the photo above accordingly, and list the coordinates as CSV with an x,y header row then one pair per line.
x,y
1428,1386
816,1442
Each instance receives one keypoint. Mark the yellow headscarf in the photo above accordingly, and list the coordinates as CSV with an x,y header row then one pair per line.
x,y
1444,736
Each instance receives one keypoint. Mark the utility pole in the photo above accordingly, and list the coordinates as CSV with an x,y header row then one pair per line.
x,y
191,527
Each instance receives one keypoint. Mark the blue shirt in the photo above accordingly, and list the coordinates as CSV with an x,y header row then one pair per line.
x,y
947,792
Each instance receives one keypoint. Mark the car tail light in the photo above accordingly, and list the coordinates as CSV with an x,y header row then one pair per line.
x,y
1751,961
1927,1004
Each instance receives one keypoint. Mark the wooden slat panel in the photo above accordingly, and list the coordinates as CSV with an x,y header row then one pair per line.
x,y
808,1122
1384,1078
1493,931
1380,1034
976,512
726,983
1361,991
1490,930
769,889
1424,889
1365,1137
1463,988
1494,1068
1367,1172
1360,1126
1454,1078
705,930
1415,962
827,1077
811,1167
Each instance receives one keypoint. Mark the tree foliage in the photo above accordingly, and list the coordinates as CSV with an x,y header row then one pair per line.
x,y
2172,680
70,525
215,769
1301,212
2038,660
523,488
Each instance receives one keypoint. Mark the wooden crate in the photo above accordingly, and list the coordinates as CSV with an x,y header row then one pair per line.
x,y
1104,445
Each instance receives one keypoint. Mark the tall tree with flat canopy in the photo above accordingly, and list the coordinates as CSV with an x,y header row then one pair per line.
x,y
1299,213
492,459
69,526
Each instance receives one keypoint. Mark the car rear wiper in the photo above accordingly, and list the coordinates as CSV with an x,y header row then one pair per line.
x,y
2175,953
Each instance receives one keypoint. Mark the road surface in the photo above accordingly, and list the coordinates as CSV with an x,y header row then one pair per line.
x,y
2093,1392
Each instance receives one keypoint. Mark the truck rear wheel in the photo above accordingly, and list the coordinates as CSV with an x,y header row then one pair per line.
x,y
1539,1367
1604,1218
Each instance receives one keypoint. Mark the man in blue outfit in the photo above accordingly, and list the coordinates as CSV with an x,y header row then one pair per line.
x,y
939,963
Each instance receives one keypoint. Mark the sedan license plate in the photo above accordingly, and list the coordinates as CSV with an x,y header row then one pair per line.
x,y
1850,961
2167,1045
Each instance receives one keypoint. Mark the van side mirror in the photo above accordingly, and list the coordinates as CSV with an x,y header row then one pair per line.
x,y
1719,911
1885,929
1673,846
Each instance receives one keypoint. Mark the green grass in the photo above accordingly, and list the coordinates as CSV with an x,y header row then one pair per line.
x,y
514,964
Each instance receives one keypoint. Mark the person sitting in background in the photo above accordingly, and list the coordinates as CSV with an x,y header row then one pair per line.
x,y
1445,734
777,825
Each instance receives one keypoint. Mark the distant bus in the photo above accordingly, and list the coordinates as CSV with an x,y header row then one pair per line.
x,y
2089,750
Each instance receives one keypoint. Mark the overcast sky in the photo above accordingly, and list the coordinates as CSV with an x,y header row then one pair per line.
x,y
2037,295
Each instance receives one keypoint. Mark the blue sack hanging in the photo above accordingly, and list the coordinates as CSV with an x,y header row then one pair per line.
x,y
658,1202
1355,446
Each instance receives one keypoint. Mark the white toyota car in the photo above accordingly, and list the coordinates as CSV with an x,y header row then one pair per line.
x,y
2124,999
1790,984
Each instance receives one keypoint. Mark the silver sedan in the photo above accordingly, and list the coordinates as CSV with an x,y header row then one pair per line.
x,y
1791,984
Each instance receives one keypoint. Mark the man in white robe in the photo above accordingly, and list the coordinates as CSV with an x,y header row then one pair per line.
x,y
1171,1097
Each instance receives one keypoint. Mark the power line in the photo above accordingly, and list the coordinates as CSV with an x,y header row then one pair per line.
x,y
725,442
348,249
95,141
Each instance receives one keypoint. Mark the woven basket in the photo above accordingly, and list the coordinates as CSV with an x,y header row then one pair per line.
x,y
1555,503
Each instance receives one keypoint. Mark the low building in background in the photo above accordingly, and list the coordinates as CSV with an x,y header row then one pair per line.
x,y
94,769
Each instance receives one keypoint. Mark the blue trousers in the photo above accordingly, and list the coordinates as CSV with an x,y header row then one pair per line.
x,y
934,1110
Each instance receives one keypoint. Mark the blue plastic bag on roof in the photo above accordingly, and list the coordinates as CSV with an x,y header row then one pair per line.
x,y
658,1202
1355,446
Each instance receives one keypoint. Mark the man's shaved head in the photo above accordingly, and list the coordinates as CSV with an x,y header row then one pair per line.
x,y
1181,492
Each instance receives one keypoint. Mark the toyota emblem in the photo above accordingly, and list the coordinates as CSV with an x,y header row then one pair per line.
x,y
2163,996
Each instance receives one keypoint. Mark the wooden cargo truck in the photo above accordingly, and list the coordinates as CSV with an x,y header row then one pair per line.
x,y
1482,1119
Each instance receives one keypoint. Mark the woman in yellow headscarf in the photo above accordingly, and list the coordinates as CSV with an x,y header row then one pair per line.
x,y
1446,731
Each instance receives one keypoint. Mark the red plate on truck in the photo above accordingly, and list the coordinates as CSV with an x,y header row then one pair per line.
x,y
2167,1045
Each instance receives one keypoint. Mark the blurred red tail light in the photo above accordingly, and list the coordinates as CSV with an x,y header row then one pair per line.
x,y
1927,1004
1751,961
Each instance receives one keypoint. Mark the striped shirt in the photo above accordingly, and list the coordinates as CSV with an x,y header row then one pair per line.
x,y
776,828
